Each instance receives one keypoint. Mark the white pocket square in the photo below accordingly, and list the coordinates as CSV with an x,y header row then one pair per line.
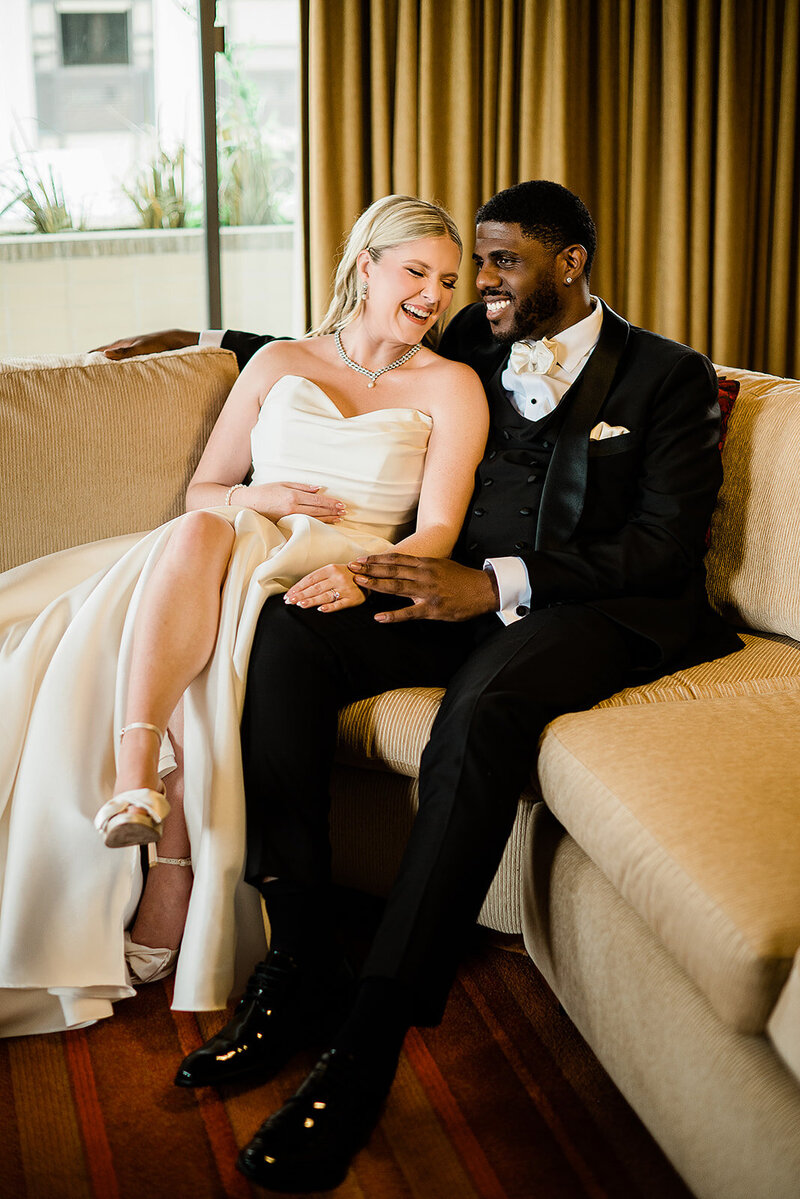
x,y
602,431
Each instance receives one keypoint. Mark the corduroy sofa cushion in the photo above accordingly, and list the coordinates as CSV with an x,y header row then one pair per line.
x,y
784,1023
91,448
754,557
389,731
692,811
767,663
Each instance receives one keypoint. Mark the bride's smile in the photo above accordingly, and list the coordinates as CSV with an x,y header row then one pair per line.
x,y
408,288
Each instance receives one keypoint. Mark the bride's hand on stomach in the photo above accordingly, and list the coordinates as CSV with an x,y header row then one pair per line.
x,y
275,500
331,588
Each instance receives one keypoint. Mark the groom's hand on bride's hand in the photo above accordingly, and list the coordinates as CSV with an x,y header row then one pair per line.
x,y
439,588
331,588
148,343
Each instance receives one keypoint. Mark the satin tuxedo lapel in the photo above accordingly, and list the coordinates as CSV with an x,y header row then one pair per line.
x,y
564,491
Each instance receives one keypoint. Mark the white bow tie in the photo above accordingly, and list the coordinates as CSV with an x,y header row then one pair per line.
x,y
534,357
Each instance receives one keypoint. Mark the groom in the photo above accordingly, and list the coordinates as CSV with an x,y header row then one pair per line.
x,y
579,567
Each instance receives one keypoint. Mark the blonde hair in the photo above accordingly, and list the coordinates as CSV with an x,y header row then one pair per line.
x,y
389,222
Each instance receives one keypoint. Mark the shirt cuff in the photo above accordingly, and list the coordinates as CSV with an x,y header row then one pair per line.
x,y
514,587
211,337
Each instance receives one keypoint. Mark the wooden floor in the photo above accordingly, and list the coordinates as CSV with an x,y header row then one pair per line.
x,y
502,1101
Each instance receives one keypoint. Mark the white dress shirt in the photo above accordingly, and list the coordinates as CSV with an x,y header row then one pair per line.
x,y
211,337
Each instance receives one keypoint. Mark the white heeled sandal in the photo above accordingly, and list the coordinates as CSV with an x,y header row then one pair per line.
x,y
118,821
145,964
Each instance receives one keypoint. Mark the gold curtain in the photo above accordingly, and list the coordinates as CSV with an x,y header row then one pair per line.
x,y
675,120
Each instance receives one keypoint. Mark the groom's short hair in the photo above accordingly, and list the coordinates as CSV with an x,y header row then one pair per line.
x,y
547,212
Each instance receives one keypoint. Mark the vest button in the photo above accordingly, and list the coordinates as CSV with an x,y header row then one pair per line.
x,y
492,455
545,445
521,545
488,482
531,479
507,434
473,545
478,511
526,511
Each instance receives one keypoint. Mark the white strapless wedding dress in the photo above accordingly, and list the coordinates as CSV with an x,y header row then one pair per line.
x,y
65,639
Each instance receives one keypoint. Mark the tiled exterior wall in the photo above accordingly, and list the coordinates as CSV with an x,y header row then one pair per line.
x,y
64,293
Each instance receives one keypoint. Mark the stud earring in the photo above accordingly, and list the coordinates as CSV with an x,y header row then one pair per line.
x,y
568,279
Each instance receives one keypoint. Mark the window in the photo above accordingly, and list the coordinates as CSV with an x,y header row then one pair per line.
x,y
101,170
94,38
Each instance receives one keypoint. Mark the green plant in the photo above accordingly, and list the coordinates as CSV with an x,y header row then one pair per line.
x,y
254,177
158,191
42,198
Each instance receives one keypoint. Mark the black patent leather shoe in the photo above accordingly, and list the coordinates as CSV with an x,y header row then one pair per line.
x,y
309,1143
284,1009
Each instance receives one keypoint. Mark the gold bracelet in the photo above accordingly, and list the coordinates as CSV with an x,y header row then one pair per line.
x,y
230,492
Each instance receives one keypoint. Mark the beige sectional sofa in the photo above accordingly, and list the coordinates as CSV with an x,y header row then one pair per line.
x,y
658,885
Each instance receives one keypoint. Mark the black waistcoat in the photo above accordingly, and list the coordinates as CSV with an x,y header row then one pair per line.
x,y
501,519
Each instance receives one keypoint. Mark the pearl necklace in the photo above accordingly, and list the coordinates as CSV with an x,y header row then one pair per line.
x,y
373,376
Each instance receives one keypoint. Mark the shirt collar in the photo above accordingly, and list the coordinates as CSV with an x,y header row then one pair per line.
x,y
578,340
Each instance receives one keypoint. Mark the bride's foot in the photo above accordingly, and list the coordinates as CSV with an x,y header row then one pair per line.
x,y
136,813
165,901
146,965
133,818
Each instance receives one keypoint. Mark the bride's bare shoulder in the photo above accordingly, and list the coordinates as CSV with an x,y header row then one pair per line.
x,y
446,370
287,356
279,358
454,392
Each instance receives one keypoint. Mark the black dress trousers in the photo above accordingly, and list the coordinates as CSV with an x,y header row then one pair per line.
x,y
504,684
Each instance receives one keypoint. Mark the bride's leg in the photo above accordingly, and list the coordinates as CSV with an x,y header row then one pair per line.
x,y
165,899
174,636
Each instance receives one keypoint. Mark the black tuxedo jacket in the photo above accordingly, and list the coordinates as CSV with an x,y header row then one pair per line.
x,y
622,522
244,345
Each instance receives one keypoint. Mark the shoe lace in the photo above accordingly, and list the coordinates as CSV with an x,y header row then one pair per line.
x,y
271,979
336,1069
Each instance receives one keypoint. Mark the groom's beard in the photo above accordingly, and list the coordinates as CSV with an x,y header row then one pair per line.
x,y
535,310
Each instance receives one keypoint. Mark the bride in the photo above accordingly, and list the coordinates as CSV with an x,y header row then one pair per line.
x,y
104,646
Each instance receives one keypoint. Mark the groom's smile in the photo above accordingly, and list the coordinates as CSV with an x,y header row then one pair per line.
x,y
516,281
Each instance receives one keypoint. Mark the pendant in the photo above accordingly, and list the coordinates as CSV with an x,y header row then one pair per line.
x,y
371,383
